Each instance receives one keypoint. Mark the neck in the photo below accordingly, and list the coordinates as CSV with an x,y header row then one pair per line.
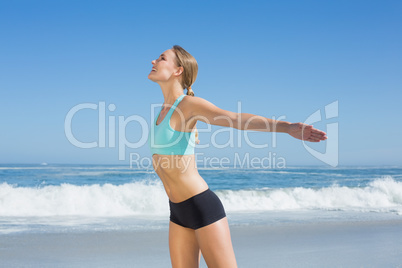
x,y
171,91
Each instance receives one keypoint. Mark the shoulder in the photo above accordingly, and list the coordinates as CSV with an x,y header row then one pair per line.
x,y
195,101
206,111
199,106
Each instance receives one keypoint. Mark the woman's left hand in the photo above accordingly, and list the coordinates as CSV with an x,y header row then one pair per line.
x,y
306,132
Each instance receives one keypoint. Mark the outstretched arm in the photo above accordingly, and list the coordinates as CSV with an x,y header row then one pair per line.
x,y
297,130
207,112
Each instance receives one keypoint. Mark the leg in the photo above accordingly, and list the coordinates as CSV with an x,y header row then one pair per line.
x,y
216,244
183,247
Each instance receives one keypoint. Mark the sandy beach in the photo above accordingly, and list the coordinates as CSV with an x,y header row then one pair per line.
x,y
325,244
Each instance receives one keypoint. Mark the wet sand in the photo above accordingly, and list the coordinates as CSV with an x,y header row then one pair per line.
x,y
336,244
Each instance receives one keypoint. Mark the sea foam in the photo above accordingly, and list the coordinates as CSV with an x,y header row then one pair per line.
x,y
87,200
382,195
149,198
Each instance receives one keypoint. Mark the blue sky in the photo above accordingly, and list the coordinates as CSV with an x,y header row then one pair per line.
x,y
278,58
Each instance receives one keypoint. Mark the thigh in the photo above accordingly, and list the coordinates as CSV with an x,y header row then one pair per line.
x,y
216,245
183,247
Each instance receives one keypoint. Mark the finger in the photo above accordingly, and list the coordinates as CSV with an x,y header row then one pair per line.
x,y
318,131
317,136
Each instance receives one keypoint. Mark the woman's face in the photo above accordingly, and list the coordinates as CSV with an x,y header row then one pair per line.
x,y
164,68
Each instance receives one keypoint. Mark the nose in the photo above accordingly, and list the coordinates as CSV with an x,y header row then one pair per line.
x,y
153,62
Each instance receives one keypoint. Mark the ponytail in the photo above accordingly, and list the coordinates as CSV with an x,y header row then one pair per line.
x,y
190,91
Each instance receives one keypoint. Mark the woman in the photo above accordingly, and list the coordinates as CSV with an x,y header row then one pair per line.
x,y
198,221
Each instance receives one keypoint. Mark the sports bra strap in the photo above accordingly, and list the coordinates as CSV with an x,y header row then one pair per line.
x,y
177,101
171,109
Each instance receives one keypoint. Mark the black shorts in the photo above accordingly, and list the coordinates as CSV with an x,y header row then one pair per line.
x,y
197,211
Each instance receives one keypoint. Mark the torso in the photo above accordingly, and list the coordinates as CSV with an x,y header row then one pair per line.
x,y
179,173
179,176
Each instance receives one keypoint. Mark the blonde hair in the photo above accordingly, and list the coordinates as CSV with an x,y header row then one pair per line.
x,y
190,68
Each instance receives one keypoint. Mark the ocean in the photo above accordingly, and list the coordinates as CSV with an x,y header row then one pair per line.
x,y
85,198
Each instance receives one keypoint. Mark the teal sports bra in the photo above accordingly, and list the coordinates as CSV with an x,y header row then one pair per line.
x,y
163,139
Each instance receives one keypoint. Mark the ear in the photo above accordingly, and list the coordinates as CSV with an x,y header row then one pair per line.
x,y
179,71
